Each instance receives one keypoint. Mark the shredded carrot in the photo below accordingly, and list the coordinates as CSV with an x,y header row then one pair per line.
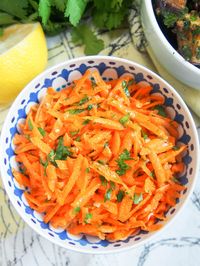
x,y
98,158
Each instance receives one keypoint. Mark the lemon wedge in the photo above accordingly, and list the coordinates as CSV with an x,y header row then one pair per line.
x,y
23,55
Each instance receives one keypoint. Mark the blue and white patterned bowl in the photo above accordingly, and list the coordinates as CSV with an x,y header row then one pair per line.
x,y
58,77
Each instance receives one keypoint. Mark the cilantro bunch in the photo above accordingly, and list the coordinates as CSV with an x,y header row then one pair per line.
x,y
58,15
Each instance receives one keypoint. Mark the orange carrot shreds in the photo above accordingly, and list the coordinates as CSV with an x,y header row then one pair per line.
x,y
100,158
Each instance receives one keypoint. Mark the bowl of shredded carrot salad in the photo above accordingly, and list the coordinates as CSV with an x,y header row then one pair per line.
x,y
99,153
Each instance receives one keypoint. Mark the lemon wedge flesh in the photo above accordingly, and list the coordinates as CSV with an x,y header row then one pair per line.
x,y
23,55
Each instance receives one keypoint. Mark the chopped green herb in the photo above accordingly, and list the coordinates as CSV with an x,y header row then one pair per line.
x,y
137,198
175,180
30,125
84,100
112,185
42,131
44,164
196,31
186,52
88,216
76,210
87,121
125,88
76,111
106,145
186,24
104,182
198,52
175,148
101,162
144,135
108,194
130,82
124,119
87,170
90,106
73,133
62,152
51,156
123,167
78,139
152,174
161,110
193,16
120,195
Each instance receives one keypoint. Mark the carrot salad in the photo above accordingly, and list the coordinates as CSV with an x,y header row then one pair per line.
x,y
100,158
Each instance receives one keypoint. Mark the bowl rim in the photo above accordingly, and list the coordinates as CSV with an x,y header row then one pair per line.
x,y
163,39
122,61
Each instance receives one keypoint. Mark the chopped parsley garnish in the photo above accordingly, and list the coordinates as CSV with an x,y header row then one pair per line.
x,y
78,138
137,198
85,122
76,111
104,182
44,164
61,152
120,195
84,100
186,52
144,135
125,88
87,170
76,210
112,185
161,110
30,125
90,106
74,133
88,216
123,167
42,131
124,119
152,174
108,194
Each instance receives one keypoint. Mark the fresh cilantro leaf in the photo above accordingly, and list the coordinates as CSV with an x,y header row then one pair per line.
x,y
76,210
112,185
42,131
120,195
50,156
90,106
44,10
62,152
88,216
87,170
6,19
59,4
161,110
123,167
74,133
84,100
44,164
170,18
114,19
125,87
108,194
137,198
100,18
87,121
84,35
144,135
1,31
30,125
124,119
101,162
76,111
78,138
104,182
175,148
17,8
186,51
74,10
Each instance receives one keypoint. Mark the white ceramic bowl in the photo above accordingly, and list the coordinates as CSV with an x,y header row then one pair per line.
x,y
168,57
59,76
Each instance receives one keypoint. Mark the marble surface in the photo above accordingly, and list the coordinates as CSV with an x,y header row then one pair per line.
x,y
177,245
